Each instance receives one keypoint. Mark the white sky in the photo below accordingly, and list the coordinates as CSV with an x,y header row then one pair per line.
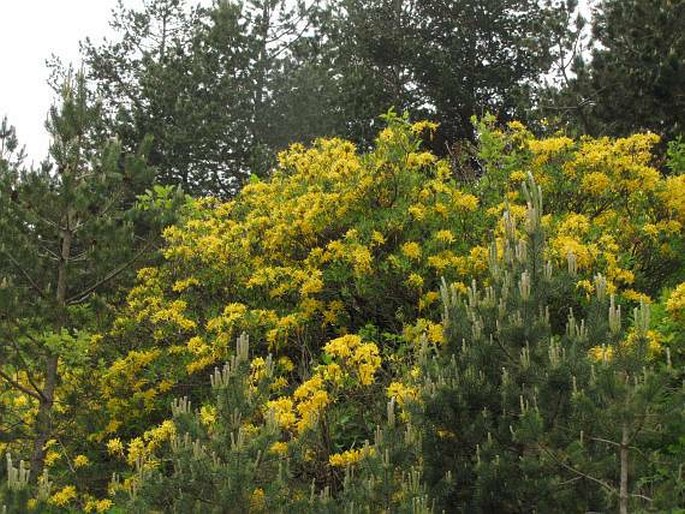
x,y
30,32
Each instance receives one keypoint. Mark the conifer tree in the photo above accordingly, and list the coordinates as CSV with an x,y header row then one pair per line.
x,y
231,455
543,401
67,237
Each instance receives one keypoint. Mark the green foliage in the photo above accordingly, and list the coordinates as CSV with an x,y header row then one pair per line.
x,y
334,266
563,395
634,80
222,88
69,242
231,456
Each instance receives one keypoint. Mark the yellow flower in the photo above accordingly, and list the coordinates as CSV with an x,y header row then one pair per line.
x,y
51,457
596,183
636,296
286,364
310,409
652,339
465,202
160,434
411,250
545,150
445,236
418,212
136,451
415,281
103,505
332,373
586,286
350,457
517,177
361,260
283,411
63,497
377,238
673,196
208,415
428,299
367,360
279,448
574,224
342,346
257,500
602,353
436,333
93,505
675,305
20,401
401,392
81,461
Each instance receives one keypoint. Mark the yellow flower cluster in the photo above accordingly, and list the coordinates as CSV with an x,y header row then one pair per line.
x,y
297,260
434,332
602,353
257,501
115,447
284,412
652,340
94,505
64,496
544,150
402,393
81,461
675,305
362,357
279,448
312,399
350,457
207,415
412,250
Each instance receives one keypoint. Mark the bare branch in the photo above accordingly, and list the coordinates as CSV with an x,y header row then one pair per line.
x,y
21,269
578,472
83,295
17,385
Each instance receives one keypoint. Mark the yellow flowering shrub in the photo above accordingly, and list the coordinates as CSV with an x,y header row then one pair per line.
x,y
333,239
349,457
609,205
675,305
64,496
338,244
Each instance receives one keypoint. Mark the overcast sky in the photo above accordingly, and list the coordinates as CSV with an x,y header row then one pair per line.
x,y
30,31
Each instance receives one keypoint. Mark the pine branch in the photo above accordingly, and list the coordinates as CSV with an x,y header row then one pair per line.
x,y
21,269
26,366
17,385
81,296
608,487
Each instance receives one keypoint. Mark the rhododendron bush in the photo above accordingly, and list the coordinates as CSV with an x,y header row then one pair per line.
x,y
397,316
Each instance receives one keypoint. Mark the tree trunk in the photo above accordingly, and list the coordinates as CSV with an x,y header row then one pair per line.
x,y
623,492
43,424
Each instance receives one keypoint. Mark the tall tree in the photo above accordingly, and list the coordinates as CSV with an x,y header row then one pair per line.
x,y
160,78
475,57
203,82
66,236
635,78
443,60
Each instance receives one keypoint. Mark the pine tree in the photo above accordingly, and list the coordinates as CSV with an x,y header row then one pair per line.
x,y
542,401
67,237
634,78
